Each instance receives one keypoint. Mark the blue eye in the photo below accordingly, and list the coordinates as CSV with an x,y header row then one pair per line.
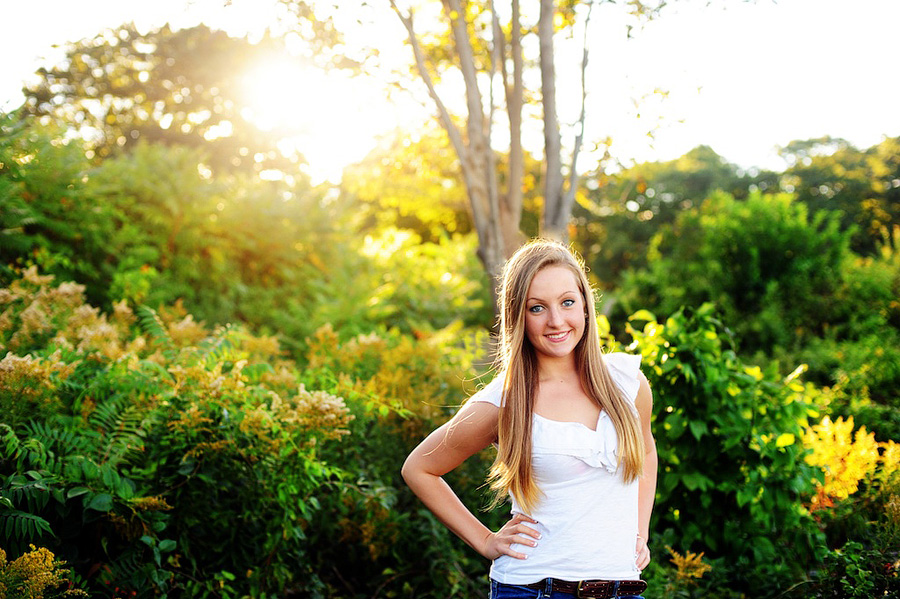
x,y
568,303
535,309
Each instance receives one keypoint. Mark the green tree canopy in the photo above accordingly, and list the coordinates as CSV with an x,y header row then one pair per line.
x,y
184,87
770,268
620,212
412,183
864,185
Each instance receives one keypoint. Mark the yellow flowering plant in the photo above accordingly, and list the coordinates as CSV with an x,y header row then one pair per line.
x,y
847,459
158,437
36,574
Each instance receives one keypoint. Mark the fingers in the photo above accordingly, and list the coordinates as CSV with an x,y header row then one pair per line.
x,y
514,554
521,528
516,531
641,553
643,559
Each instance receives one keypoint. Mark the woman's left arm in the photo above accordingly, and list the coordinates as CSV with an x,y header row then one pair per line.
x,y
647,484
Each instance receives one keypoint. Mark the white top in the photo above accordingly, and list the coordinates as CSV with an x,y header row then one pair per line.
x,y
587,515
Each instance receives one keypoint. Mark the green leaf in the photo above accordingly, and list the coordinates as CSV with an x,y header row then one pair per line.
x,y
744,496
642,315
109,476
694,481
76,492
167,545
102,502
698,428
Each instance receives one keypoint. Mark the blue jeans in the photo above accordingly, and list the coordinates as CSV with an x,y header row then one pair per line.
x,y
500,590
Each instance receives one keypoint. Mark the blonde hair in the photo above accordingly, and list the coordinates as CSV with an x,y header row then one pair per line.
x,y
511,472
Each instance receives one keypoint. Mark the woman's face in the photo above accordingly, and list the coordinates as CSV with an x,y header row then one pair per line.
x,y
554,312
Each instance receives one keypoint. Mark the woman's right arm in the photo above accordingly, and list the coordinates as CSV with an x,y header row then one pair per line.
x,y
472,429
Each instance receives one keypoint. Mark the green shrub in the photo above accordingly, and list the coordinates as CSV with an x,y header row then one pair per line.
x,y
858,356
857,572
858,507
399,387
47,219
771,271
732,479
170,458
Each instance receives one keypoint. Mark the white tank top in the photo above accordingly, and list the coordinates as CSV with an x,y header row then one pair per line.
x,y
587,515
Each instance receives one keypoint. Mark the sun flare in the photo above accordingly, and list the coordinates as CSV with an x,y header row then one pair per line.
x,y
329,117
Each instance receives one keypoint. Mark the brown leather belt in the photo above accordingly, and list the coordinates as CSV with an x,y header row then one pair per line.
x,y
594,589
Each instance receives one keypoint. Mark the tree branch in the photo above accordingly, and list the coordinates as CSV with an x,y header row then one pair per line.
x,y
569,198
479,216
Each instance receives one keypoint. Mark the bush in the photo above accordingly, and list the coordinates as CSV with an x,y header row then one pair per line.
x,y
771,271
856,572
732,476
857,505
399,388
858,356
47,219
171,459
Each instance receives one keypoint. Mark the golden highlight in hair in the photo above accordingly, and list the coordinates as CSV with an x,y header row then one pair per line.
x,y
511,472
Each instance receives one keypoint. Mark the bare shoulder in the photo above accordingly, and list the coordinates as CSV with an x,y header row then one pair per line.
x,y
475,422
644,399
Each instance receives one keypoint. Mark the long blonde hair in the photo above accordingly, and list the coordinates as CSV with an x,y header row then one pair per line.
x,y
511,471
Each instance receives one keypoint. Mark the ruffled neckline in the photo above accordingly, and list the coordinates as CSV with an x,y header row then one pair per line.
x,y
596,448
571,422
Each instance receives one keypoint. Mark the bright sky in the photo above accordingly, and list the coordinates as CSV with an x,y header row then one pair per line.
x,y
742,77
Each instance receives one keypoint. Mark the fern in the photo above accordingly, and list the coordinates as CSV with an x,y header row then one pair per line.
x,y
131,569
153,325
120,424
9,442
22,526
220,348
52,443
32,495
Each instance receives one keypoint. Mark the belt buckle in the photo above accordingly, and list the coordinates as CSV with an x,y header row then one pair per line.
x,y
578,590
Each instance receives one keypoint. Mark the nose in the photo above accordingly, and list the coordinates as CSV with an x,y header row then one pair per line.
x,y
555,318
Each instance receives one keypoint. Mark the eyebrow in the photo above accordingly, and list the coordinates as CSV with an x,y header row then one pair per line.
x,y
536,299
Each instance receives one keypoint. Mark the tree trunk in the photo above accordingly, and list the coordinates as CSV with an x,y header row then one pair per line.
x,y
481,160
473,150
511,204
555,221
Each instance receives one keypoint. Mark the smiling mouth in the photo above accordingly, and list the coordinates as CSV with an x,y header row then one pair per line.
x,y
557,336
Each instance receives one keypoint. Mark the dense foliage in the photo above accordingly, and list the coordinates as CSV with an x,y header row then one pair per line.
x,y
156,446
732,476
771,271
209,379
158,457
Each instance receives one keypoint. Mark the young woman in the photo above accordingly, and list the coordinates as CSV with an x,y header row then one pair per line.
x,y
575,453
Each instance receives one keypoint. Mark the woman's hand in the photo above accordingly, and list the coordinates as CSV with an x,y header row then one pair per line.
x,y
514,531
641,553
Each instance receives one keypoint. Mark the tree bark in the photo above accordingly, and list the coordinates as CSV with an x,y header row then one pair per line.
x,y
477,163
497,216
515,94
555,223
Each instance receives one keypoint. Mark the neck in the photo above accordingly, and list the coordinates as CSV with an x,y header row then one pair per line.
x,y
558,369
